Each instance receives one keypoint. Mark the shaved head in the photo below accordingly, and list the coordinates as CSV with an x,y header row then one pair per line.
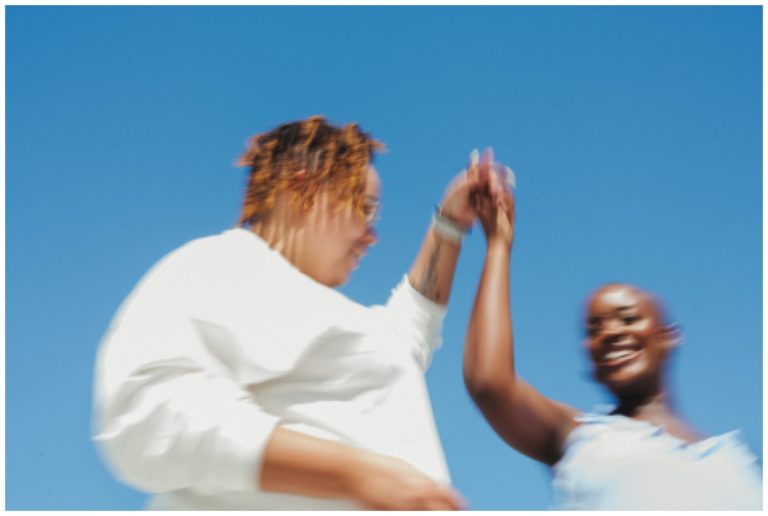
x,y
619,290
629,339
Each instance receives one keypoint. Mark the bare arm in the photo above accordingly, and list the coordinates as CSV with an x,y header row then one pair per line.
x,y
300,464
523,417
432,272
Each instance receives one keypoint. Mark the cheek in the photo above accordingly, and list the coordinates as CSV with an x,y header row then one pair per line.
x,y
657,350
352,231
645,327
340,227
589,347
344,238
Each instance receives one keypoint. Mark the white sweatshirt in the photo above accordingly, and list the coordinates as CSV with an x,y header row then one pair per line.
x,y
222,341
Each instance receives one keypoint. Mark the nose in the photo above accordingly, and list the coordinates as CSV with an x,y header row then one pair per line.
x,y
371,237
611,328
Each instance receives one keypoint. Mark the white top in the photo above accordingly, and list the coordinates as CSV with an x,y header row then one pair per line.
x,y
223,340
613,462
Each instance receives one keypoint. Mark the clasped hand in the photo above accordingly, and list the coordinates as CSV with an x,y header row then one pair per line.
x,y
482,192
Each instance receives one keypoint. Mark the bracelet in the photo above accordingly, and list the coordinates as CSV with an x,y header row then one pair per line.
x,y
447,228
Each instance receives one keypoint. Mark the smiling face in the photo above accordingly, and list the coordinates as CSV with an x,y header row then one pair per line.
x,y
337,239
627,340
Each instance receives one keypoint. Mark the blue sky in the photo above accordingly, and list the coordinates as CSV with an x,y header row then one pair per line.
x,y
635,133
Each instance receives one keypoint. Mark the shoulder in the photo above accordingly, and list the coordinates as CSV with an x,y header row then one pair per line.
x,y
192,263
729,444
588,426
223,251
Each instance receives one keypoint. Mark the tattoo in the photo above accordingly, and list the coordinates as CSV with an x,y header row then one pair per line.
x,y
428,286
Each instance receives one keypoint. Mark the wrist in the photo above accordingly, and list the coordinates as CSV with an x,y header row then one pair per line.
x,y
499,243
359,467
446,213
447,227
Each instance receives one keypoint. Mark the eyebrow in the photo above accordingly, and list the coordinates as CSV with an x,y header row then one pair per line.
x,y
597,318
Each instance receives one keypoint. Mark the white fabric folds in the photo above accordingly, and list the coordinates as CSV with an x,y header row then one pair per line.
x,y
222,341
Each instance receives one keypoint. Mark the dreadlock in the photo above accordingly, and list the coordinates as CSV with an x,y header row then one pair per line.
x,y
335,158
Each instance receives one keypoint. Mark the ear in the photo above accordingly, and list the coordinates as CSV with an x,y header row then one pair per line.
x,y
674,336
298,179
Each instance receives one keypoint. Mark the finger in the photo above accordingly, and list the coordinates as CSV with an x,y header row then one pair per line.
x,y
470,175
434,505
442,501
485,167
494,188
460,500
480,180
452,501
488,155
483,172
458,182
506,176
511,179
474,158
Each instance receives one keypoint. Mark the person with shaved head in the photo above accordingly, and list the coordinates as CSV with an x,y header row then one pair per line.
x,y
641,455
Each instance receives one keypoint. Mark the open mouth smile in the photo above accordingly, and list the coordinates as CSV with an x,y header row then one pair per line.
x,y
618,355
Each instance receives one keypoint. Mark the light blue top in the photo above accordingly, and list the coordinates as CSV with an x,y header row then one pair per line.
x,y
614,462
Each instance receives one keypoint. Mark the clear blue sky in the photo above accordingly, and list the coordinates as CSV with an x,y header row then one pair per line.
x,y
635,132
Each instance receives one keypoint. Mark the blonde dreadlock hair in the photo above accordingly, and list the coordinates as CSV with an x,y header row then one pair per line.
x,y
335,158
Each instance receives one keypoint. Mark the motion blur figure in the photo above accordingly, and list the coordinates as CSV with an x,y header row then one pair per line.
x,y
641,455
235,376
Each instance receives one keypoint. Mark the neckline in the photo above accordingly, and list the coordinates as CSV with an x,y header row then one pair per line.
x,y
701,447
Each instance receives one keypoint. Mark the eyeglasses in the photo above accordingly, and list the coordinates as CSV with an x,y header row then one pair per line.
x,y
371,210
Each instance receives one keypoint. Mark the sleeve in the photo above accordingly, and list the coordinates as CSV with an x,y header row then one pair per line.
x,y
166,418
417,320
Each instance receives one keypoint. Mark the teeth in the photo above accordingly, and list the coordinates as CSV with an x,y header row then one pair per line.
x,y
615,355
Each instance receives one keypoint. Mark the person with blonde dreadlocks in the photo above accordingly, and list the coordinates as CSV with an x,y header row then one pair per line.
x,y
236,377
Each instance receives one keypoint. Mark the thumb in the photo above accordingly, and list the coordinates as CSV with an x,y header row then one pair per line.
x,y
461,502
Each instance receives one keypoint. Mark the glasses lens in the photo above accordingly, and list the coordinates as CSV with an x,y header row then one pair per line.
x,y
371,211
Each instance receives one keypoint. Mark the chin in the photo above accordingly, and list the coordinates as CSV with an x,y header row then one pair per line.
x,y
337,280
626,385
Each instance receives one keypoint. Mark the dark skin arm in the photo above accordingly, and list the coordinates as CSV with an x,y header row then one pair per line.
x,y
527,420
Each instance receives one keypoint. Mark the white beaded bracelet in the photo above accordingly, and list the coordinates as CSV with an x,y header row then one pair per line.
x,y
447,228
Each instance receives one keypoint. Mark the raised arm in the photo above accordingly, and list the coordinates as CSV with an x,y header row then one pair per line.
x,y
432,272
528,421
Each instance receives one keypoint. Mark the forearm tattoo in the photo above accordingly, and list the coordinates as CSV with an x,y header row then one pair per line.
x,y
428,286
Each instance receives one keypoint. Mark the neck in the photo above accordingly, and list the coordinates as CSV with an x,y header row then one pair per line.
x,y
282,236
649,406
658,409
646,397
